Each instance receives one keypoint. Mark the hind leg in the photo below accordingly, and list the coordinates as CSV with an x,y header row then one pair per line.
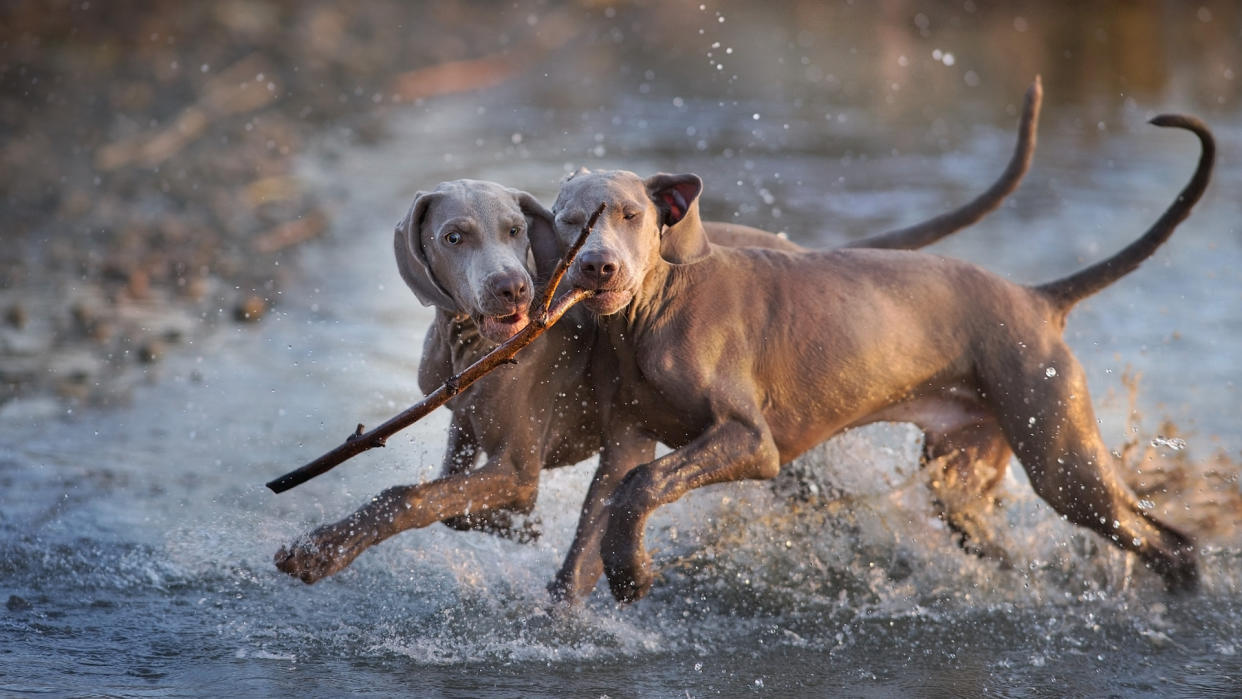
x,y
1043,407
966,463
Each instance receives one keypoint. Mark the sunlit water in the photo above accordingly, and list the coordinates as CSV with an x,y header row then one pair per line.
x,y
136,543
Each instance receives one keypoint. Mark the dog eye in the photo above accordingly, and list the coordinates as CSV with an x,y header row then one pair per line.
x,y
513,232
629,215
453,238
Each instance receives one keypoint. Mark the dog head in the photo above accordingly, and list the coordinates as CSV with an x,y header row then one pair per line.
x,y
463,247
645,223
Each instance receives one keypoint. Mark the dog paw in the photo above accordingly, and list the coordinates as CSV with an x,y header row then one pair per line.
x,y
1179,570
304,562
630,583
316,556
562,591
1173,557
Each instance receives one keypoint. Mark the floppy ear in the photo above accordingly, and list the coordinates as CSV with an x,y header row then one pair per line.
x,y
408,245
682,238
544,245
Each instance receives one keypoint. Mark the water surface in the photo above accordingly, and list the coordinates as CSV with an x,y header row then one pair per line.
x,y
136,542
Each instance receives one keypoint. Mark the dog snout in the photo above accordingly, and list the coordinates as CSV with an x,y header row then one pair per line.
x,y
598,266
512,287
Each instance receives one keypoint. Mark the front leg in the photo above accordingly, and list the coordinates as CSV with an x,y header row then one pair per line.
x,y
436,365
463,449
583,566
460,456
330,548
728,451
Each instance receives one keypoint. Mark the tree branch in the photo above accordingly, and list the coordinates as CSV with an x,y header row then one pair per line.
x,y
545,314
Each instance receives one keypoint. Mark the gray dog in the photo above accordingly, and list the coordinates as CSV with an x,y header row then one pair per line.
x,y
463,249
742,359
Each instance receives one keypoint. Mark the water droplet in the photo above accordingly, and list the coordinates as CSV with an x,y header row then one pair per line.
x,y
1174,443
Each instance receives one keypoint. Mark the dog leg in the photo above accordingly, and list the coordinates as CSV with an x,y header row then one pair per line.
x,y
965,466
462,450
460,456
330,548
583,566
461,453
1047,417
728,451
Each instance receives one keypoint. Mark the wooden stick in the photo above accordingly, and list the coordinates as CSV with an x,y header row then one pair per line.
x,y
544,315
544,299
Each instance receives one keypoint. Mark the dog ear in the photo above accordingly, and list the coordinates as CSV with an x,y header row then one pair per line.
x,y
412,262
682,238
545,247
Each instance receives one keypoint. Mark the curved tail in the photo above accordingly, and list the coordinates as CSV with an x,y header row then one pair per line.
x,y
931,230
1067,291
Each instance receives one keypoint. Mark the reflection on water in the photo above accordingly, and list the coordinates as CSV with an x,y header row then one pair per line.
x,y
136,542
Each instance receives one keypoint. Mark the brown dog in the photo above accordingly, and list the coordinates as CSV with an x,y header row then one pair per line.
x,y
742,359
462,249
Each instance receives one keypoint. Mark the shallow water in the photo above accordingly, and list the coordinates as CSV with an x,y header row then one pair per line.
x,y
136,542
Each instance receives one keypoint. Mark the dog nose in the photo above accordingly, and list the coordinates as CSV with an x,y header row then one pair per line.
x,y
510,286
598,266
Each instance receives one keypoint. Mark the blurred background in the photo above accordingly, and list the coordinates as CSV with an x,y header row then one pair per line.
x,y
149,177
197,294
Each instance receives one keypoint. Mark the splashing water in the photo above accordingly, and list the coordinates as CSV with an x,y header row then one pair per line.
x,y
137,549
136,543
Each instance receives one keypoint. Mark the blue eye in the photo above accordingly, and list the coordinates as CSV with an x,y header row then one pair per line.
x,y
630,216
453,238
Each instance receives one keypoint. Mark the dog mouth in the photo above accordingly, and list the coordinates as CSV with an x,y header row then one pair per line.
x,y
500,328
607,301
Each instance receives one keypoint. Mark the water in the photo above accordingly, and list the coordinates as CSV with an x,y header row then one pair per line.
x,y
136,542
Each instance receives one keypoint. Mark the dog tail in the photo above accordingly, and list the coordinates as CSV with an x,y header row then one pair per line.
x,y
1070,290
931,230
